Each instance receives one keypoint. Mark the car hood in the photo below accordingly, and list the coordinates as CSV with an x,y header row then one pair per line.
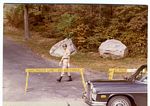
x,y
118,86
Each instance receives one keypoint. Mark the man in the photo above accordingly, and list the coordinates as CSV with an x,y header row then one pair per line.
x,y
65,63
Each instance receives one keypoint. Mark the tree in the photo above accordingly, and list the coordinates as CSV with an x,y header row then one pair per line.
x,y
26,22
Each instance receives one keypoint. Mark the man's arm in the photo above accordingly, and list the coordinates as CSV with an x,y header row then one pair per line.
x,y
60,63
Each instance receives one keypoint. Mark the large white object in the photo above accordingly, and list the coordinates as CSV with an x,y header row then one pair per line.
x,y
113,49
58,51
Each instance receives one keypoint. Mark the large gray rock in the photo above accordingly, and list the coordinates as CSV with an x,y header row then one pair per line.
x,y
113,49
58,51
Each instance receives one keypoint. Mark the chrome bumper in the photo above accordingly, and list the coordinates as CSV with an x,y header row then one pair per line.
x,y
93,103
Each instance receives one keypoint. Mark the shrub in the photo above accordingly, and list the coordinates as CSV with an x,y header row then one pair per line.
x,y
14,16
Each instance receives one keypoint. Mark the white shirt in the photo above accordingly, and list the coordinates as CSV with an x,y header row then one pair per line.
x,y
66,54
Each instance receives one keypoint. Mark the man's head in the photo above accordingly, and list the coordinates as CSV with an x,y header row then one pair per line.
x,y
64,46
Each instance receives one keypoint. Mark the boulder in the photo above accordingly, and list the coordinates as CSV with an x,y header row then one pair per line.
x,y
113,49
58,51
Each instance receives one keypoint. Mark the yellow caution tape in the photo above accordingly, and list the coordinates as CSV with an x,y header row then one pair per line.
x,y
44,70
118,70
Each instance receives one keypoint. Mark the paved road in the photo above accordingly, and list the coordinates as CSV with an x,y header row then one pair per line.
x,y
42,87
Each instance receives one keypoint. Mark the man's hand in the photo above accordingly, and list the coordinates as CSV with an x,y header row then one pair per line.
x,y
60,63
68,64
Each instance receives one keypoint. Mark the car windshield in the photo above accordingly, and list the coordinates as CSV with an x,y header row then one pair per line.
x,y
144,80
141,74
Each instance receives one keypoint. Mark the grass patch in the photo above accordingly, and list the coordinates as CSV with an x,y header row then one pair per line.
x,y
94,61
41,46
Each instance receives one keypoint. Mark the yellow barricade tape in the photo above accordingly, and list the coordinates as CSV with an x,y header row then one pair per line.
x,y
48,70
118,70
44,70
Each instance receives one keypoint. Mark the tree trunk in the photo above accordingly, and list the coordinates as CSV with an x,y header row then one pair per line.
x,y
26,23
111,10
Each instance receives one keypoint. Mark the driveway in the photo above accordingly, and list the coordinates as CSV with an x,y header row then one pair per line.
x,y
42,87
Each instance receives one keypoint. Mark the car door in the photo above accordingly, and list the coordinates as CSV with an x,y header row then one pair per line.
x,y
141,96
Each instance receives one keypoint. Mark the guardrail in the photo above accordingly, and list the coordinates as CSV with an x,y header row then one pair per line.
x,y
48,70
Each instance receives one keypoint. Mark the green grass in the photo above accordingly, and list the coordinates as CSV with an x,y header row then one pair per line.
x,y
41,46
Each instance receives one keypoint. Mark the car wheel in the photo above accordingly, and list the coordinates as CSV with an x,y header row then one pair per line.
x,y
119,101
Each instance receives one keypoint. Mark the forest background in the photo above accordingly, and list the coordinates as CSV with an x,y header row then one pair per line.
x,y
87,25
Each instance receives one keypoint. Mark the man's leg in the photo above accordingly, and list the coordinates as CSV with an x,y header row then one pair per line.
x,y
61,76
69,75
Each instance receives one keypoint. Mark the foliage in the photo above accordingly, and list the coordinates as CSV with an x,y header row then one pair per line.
x,y
88,25
66,23
14,16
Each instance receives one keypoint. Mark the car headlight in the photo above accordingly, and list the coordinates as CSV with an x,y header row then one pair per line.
x,y
93,93
94,90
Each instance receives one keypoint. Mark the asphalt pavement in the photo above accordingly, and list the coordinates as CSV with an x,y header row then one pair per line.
x,y
42,87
